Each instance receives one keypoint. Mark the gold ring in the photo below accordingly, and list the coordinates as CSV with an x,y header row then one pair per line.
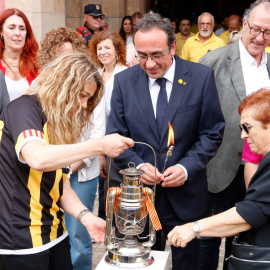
x,y
122,152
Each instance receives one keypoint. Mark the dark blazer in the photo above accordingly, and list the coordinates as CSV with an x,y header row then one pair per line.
x,y
4,97
195,114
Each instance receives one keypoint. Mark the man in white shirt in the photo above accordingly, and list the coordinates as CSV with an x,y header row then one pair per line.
x,y
240,68
165,88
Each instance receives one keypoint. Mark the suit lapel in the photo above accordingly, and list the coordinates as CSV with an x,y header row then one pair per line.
x,y
145,101
268,63
236,72
177,94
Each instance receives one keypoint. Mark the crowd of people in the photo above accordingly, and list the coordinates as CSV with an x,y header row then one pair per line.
x,y
86,95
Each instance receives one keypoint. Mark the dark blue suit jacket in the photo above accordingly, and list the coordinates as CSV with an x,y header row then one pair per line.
x,y
197,120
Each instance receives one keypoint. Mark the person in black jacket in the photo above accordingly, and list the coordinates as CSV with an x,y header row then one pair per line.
x,y
250,217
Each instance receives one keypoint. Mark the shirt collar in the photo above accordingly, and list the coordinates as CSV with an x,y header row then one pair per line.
x,y
249,59
169,75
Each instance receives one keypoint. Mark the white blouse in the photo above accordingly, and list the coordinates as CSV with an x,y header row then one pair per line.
x,y
108,87
16,88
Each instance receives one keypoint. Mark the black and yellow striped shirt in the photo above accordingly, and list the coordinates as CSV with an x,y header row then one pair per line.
x,y
30,214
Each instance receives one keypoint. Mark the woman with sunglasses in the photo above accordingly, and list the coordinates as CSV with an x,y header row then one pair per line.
x,y
251,217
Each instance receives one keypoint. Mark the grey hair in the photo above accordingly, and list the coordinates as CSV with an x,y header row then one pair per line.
x,y
249,10
213,20
106,20
152,20
131,51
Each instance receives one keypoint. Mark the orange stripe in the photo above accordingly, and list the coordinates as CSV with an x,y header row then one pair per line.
x,y
118,192
151,210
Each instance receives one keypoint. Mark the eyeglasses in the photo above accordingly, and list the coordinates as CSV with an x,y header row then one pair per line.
x,y
207,24
96,17
156,58
255,32
246,127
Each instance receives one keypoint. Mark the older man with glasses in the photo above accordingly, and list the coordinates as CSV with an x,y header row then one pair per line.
x,y
204,41
240,69
93,17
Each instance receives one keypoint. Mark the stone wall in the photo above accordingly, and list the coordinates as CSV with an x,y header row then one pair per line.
x,y
45,15
115,10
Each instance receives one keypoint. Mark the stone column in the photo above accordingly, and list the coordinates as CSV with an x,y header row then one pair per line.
x,y
43,15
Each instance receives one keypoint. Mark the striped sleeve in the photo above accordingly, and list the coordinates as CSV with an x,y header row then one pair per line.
x,y
25,137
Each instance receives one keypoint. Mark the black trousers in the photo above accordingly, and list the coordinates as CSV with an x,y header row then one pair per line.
x,y
217,203
182,258
56,258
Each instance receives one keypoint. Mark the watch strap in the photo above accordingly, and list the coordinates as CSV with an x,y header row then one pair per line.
x,y
196,229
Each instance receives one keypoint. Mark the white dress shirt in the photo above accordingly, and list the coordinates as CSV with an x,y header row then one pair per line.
x,y
255,76
154,89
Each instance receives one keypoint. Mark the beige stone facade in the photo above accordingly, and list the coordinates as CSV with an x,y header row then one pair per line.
x,y
45,15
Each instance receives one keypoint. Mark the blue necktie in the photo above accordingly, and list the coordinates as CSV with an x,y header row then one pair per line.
x,y
162,104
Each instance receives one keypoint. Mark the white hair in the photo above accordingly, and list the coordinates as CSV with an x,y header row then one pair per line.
x,y
131,51
213,20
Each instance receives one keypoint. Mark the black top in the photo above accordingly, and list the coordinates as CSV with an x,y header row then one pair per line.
x,y
255,208
30,214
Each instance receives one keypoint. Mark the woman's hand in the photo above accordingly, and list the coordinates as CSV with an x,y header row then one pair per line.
x,y
95,226
113,145
179,236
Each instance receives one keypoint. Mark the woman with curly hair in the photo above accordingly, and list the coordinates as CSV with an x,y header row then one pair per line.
x,y
18,49
84,177
126,28
38,134
109,54
58,41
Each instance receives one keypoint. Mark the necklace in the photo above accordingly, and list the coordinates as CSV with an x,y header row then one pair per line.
x,y
9,63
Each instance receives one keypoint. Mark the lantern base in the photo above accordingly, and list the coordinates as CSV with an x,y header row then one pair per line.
x,y
127,261
130,254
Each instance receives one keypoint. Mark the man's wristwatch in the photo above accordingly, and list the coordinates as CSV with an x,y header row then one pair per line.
x,y
196,229
82,213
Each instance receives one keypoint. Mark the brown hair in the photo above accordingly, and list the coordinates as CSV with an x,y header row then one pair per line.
x,y
260,100
118,44
55,39
58,90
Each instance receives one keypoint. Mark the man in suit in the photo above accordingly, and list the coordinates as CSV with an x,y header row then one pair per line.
x,y
141,109
240,69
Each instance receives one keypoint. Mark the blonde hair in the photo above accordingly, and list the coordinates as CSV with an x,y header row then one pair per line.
x,y
58,90
54,39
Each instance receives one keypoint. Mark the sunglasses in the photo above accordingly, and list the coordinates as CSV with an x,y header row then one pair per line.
x,y
246,127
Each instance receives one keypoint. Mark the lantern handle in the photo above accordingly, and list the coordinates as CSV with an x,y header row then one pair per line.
x,y
109,169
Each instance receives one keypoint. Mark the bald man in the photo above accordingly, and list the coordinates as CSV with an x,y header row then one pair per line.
x,y
234,25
